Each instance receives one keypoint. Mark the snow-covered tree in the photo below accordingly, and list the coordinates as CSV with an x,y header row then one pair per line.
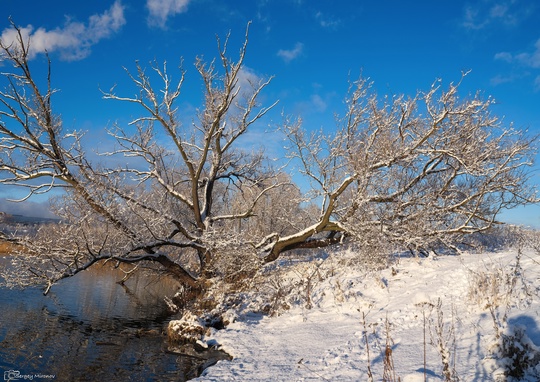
x,y
420,172
193,202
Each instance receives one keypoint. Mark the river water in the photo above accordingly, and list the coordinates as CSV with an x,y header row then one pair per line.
x,y
89,328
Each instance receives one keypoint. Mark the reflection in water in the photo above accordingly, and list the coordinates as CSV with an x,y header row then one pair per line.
x,y
90,328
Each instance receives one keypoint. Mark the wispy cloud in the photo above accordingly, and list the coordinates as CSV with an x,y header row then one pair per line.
x,y
326,21
503,56
494,12
501,79
161,10
318,103
537,83
290,54
75,39
529,59
248,79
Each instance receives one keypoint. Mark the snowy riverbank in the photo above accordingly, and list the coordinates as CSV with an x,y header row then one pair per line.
x,y
328,341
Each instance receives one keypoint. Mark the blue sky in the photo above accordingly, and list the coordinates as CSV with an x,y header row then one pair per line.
x,y
312,47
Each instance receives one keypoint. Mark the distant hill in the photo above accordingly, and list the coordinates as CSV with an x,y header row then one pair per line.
x,y
6,218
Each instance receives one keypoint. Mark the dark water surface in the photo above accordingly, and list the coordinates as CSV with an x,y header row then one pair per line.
x,y
89,328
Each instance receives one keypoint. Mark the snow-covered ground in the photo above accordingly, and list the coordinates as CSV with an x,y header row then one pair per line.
x,y
413,305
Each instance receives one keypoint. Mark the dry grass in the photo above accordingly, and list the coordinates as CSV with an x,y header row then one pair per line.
x,y
7,248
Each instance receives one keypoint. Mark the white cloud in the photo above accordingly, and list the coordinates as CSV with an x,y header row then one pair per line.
x,y
102,26
523,63
503,56
74,40
537,83
500,79
470,19
161,10
498,11
289,55
529,59
494,12
248,80
318,103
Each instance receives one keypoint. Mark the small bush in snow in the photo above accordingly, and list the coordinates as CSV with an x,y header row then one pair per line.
x,y
517,355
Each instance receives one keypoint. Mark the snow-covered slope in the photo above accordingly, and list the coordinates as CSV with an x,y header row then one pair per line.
x,y
444,306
